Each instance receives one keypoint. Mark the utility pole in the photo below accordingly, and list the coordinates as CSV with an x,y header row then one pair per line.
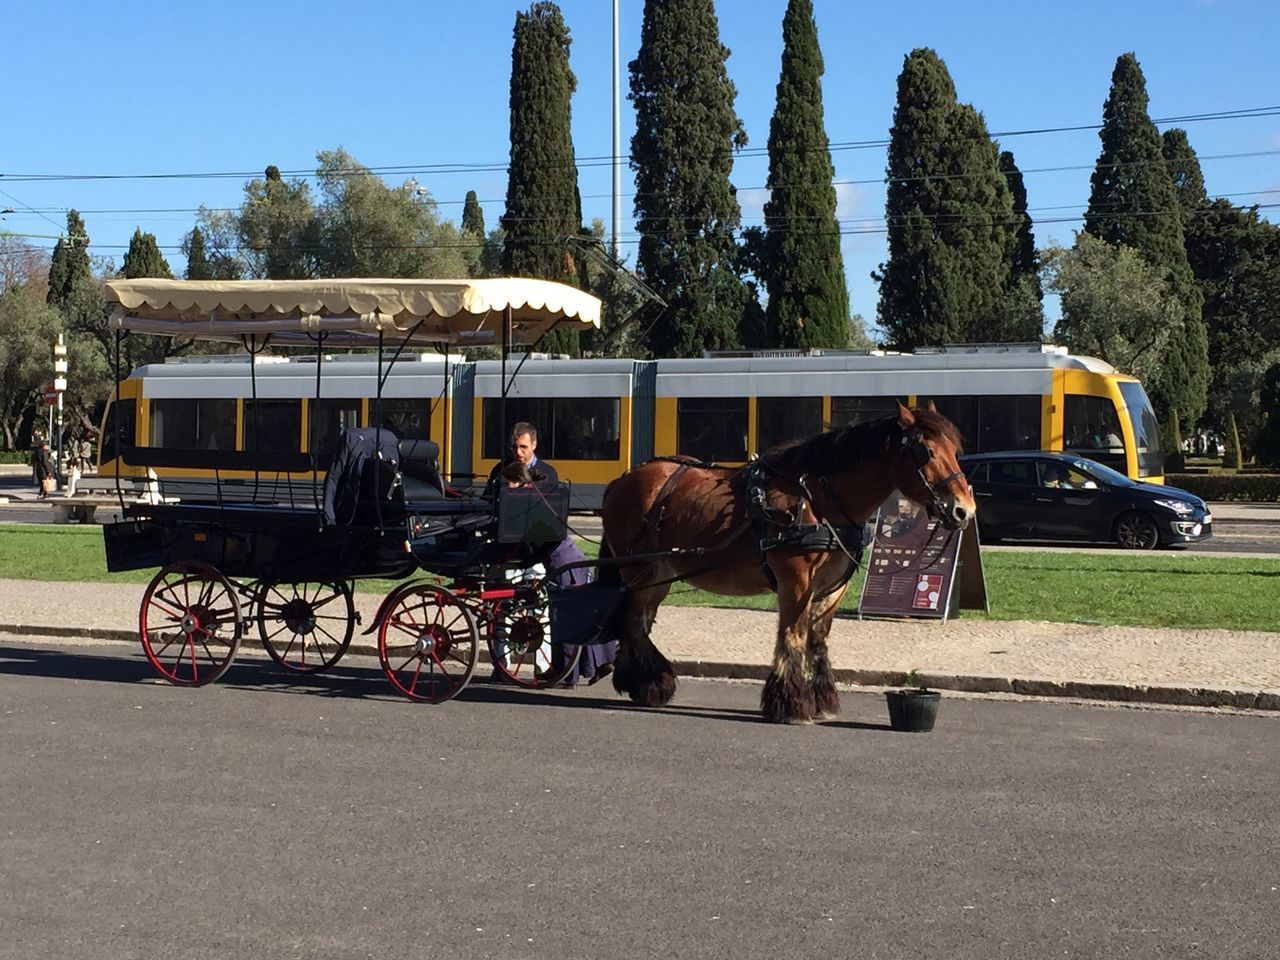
x,y
59,386
617,142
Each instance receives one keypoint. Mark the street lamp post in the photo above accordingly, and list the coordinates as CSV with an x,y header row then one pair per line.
x,y
59,386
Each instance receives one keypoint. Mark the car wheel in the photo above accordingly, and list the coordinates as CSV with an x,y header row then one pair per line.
x,y
1136,531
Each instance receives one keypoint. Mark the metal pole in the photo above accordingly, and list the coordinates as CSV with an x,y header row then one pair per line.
x,y
617,141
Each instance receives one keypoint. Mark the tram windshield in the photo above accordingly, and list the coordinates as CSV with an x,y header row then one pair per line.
x,y
1146,429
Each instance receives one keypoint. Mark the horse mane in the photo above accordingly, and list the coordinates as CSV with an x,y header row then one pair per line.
x,y
858,443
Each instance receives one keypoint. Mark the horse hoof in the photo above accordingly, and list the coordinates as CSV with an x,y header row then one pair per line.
x,y
786,702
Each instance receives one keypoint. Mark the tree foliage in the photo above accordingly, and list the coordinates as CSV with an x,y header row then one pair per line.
x,y
1133,203
198,266
1267,446
144,259
543,208
277,228
1115,305
687,212
801,265
1020,317
950,216
365,228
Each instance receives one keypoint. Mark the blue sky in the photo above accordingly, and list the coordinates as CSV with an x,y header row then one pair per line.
x,y
169,88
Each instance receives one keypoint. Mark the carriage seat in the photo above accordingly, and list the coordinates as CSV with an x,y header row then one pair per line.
x,y
420,470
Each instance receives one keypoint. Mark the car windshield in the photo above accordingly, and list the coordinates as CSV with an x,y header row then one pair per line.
x,y
1103,473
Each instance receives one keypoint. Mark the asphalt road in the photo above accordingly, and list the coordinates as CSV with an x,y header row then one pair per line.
x,y
325,818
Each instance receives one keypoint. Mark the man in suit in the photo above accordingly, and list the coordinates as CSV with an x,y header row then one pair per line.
x,y
524,449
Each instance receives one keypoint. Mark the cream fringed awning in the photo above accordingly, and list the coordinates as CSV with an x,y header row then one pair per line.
x,y
350,311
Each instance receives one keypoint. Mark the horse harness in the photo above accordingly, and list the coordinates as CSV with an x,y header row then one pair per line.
x,y
777,528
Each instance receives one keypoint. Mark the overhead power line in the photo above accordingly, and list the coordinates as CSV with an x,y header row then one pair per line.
x,y
587,162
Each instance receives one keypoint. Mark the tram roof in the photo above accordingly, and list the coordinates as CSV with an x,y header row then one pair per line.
x,y
350,312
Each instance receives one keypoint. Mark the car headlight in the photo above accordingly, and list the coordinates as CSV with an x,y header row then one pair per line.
x,y
1180,507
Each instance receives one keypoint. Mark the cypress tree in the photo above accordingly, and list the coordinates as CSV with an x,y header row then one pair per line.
x,y
198,266
1133,202
802,268
949,213
1023,314
682,153
543,207
69,271
143,259
1184,168
472,215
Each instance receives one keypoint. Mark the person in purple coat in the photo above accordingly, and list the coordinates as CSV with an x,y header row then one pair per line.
x,y
596,661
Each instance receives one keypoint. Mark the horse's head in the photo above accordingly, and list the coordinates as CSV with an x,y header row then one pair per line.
x,y
928,469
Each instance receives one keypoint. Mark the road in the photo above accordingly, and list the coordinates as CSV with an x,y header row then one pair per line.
x,y
324,818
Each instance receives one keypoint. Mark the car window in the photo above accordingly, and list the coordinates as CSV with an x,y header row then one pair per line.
x,y
975,472
1054,473
1020,472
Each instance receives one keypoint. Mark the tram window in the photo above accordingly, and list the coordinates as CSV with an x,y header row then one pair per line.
x,y
585,429
712,428
280,422
410,416
569,428
851,411
780,420
119,431
993,422
328,418
190,424
1091,426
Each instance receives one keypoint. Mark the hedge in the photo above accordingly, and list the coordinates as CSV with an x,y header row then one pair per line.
x,y
15,456
1250,487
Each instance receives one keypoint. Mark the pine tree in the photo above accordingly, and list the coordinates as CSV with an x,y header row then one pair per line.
x,y
198,266
802,267
682,153
143,258
949,213
543,206
472,215
1133,202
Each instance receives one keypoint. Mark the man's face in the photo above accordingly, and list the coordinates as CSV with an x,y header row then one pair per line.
x,y
524,446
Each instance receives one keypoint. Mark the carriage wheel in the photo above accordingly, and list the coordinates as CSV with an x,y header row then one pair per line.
x,y
305,627
427,642
190,623
519,638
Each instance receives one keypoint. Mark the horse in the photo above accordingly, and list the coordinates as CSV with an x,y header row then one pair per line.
x,y
711,526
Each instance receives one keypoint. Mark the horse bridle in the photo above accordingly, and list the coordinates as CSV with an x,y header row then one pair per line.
x,y
920,455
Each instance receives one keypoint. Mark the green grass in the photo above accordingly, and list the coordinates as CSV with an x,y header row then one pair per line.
x,y
1178,590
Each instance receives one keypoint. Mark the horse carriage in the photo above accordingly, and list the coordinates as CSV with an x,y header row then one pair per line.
x,y
282,557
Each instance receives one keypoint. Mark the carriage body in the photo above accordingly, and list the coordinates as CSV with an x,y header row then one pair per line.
x,y
284,558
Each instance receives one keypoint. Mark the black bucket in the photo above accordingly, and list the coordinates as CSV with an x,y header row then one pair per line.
x,y
912,710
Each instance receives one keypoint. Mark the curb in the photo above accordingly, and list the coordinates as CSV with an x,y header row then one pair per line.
x,y
961,683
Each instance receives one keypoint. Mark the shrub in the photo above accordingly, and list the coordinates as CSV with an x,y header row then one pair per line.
x,y
1250,487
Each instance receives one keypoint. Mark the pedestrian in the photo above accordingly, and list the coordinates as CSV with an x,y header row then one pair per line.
x,y
46,477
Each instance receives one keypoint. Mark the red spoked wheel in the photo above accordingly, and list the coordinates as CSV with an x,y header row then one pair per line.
x,y
190,623
305,627
427,642
519,638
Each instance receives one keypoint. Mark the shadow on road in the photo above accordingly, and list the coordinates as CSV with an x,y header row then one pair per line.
x,y
348,682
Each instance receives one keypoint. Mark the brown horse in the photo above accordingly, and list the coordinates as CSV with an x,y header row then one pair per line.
x,y
707,524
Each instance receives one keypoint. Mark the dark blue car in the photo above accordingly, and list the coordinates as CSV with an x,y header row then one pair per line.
x,y
1035,495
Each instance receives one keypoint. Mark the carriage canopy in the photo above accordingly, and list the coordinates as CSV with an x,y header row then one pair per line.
x,y
351,312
